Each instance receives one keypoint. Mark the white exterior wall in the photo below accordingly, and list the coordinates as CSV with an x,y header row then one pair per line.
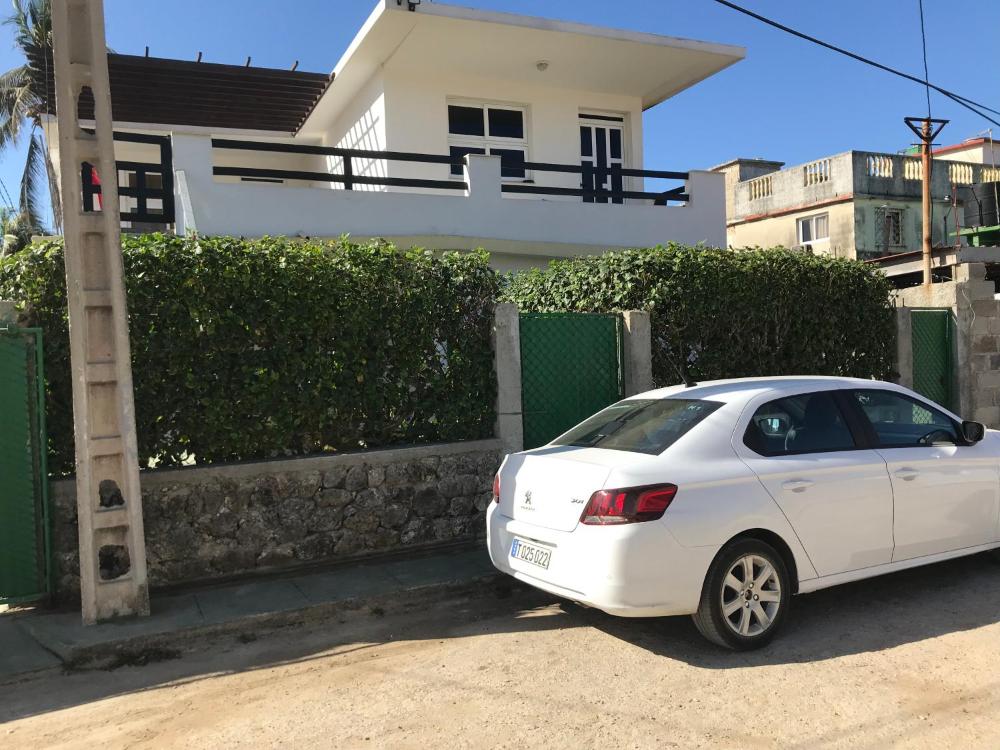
x,y
362,125
417,109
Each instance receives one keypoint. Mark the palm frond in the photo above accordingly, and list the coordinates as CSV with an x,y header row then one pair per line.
x,y
18,103
53,191
32,23
33,189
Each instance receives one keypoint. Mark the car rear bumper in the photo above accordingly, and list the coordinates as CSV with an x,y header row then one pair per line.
x,y
632,570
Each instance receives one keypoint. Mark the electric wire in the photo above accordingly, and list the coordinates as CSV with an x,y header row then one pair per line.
x,y
973,106
923,40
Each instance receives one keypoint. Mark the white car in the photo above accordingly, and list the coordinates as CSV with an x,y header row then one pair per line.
x,y
723,499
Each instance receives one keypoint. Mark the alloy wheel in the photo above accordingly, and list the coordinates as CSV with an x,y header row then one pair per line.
x,y
751,595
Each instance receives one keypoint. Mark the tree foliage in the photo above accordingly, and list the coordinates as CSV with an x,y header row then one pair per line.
x,y
723,313
255,349
22,104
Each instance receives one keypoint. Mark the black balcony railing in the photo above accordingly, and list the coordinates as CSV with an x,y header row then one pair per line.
x,y
150,184
592,178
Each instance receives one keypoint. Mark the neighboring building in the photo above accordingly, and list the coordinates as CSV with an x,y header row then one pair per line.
x,y
857,204
976,150
440,126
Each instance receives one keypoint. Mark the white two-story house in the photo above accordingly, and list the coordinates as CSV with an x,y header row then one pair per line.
x,y
440,126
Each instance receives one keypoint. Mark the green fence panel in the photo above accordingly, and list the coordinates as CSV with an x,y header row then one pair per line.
x,y
571,367
933,367
24,534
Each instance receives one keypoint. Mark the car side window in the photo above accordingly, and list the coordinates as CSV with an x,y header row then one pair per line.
x,y
806,423
900,421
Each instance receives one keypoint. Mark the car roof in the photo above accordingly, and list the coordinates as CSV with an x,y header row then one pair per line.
x,y
741,389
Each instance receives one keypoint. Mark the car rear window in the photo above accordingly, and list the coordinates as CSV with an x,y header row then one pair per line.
x,y
639,426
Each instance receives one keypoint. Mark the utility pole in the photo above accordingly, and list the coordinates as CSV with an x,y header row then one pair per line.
x,y
109,503
926,129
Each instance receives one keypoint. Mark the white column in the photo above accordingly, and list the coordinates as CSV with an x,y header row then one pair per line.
x,y
638,343
507,353
192,164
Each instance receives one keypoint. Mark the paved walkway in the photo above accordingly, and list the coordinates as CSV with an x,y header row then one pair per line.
x,y
41,641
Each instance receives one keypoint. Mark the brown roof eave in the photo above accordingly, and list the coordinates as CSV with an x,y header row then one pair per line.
x,y
182,92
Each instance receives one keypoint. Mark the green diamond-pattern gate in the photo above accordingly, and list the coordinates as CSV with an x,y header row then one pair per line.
x,y
932,355
24,536
571,367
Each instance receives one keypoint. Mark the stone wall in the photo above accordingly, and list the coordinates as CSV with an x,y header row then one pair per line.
x,y
220,520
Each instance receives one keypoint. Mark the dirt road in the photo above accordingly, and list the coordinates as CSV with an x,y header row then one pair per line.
x,y
911,660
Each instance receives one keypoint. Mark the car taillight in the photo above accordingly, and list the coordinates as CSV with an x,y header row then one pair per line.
x,y
630,505
496,488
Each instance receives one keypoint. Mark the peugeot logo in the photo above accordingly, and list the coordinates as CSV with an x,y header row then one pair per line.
x,y
527,497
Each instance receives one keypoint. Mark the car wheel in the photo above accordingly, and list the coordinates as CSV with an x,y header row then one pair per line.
x,y
745,596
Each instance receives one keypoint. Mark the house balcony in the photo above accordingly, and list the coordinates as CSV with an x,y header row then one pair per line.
x,y
254,188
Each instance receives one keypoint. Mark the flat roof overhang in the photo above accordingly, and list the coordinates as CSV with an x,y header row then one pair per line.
x,y
505,46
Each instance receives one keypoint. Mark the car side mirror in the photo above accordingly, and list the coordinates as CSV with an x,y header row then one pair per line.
x,y
973,432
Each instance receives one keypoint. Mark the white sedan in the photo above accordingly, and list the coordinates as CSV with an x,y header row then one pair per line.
x,y
723,499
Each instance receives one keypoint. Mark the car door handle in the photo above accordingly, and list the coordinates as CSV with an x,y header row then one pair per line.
x,y
907,474
798,485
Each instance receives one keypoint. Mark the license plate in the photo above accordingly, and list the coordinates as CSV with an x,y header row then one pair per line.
x,y
530,553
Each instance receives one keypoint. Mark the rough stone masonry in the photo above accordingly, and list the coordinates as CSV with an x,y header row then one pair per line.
x,y
213,521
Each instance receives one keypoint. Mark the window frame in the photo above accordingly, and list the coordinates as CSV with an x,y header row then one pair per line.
x,y
811,220
887,211
859,434
488,142
872,434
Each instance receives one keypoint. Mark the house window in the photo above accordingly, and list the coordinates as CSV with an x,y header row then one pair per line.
x,y
496,129
889,227
814,229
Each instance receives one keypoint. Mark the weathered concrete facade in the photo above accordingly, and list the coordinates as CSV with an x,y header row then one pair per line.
x,y
854,189
206,522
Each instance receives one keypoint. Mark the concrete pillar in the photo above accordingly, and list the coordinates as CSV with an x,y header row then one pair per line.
x,y
507,353
707,196
192,164
904,347
109,502
638,344
8,313
482,172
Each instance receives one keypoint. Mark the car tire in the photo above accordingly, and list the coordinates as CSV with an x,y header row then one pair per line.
x,y
742,614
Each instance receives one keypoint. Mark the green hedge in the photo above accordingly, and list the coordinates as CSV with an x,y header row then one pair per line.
x,y
253,349
722,313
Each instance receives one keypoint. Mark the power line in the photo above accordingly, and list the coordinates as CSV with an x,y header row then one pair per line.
x,y
7,196
923,40
962,100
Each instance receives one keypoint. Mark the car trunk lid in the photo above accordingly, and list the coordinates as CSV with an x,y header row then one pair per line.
x,y
551,486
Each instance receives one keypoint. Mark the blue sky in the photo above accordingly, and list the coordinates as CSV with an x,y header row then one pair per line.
x,y
788,100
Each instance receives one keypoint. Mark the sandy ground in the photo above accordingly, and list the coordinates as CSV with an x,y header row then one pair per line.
x,y
909,660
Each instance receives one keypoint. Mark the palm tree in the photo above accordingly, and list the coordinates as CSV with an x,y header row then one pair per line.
x,y
16,231
23,98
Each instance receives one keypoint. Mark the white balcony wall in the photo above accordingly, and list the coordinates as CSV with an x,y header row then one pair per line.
x,y
517,232
224,157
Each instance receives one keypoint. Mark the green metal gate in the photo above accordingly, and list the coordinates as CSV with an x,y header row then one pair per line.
x,y
933,367
571,367
25,567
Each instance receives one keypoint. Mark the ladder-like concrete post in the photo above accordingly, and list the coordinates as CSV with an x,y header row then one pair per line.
x,y
112,546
